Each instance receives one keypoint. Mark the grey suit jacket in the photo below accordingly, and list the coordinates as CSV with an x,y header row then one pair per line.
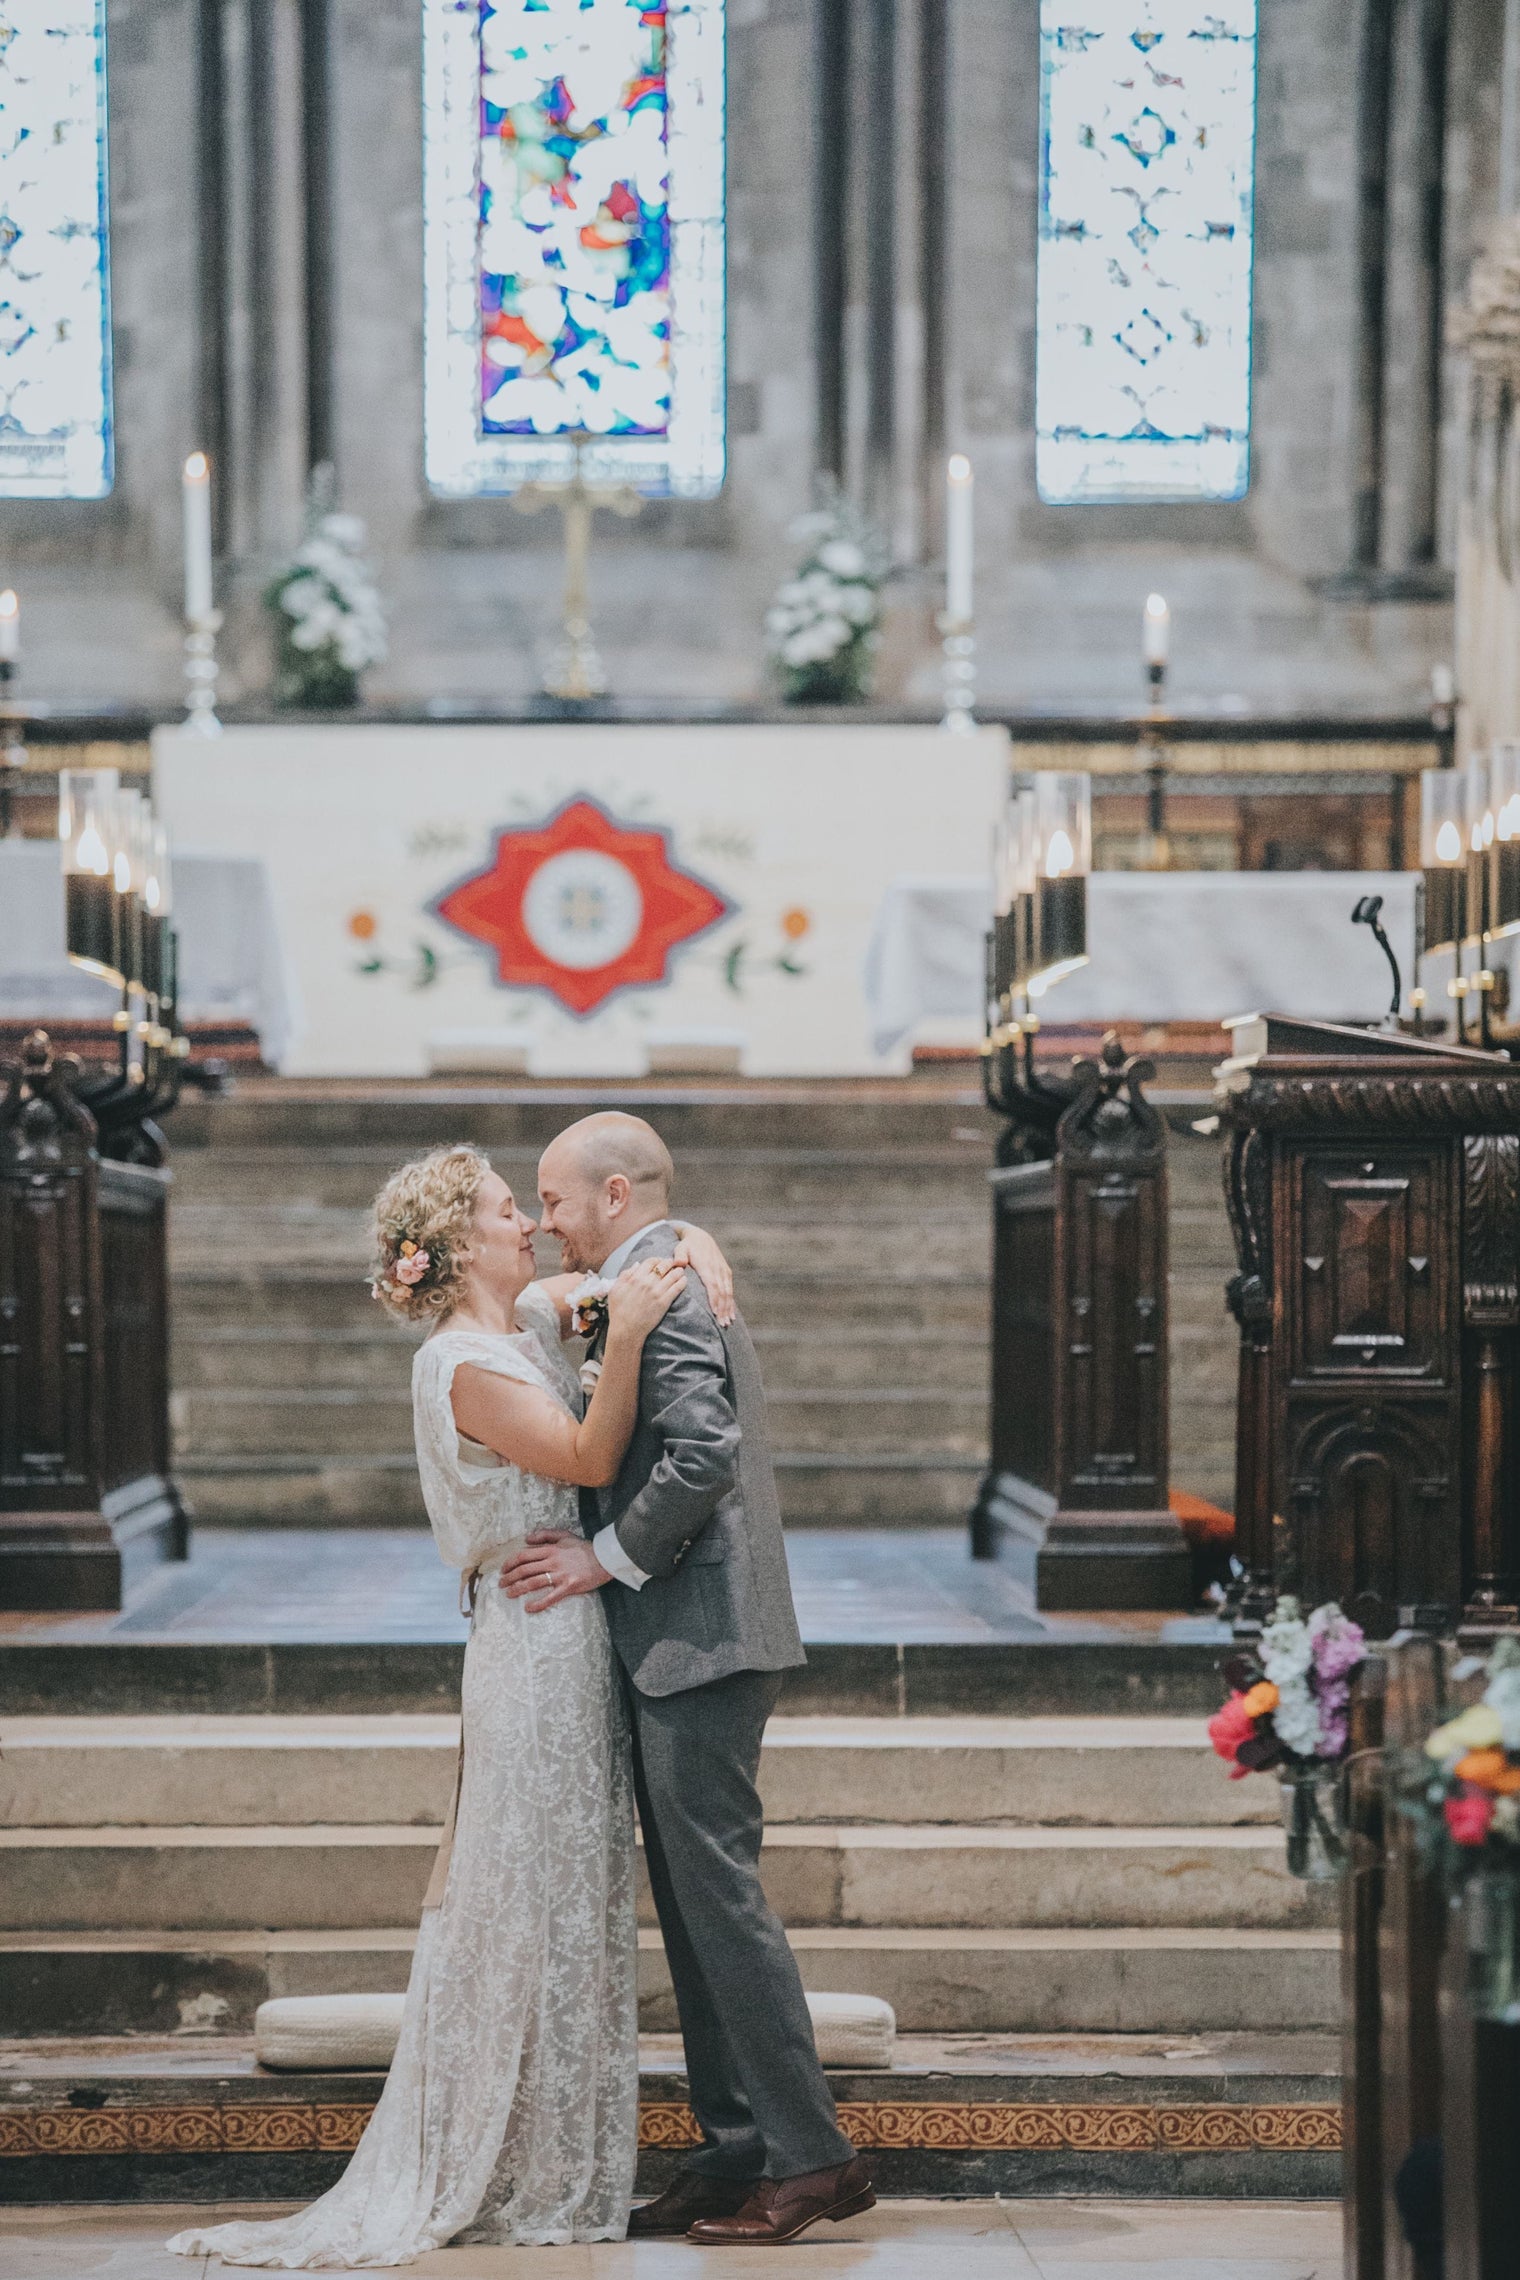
x,y
695,1507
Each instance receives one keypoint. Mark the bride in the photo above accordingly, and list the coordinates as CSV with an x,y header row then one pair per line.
x,y
510,2112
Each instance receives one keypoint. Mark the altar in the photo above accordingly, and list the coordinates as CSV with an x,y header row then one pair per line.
x,y
584,899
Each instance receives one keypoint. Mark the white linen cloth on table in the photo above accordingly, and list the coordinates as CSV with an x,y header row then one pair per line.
x,y
232,967
1162,946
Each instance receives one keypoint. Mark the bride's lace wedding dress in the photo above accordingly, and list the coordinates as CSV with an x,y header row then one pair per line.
x,y
510,2112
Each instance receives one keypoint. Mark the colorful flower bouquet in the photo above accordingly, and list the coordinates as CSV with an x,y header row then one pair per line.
x,y
1462,1792
1289,1710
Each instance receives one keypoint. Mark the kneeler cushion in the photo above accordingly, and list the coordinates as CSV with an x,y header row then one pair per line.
x,y
338,2033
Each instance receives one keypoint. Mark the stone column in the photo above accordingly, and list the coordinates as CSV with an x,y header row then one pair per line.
x,y
1487,331
263,135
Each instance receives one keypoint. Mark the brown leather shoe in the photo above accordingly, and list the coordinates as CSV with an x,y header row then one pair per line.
x,y
778,2209
685,2199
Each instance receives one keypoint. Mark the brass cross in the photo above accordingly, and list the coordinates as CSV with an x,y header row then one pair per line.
x,y
575,669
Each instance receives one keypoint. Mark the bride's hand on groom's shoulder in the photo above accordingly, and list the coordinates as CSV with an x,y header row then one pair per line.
x,y
551,1565
643,1295
697,1250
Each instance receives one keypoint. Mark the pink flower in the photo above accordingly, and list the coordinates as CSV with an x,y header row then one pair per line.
x,y
1230,1726
1469,1816
411,1269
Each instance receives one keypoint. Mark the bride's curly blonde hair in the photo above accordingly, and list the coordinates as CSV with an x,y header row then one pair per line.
x,y
426,1211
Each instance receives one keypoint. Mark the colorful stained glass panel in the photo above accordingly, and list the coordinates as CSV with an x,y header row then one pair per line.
x,y
1143,378
55,328
574,242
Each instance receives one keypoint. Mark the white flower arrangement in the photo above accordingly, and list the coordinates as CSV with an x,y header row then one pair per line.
x,y
328,616
823,627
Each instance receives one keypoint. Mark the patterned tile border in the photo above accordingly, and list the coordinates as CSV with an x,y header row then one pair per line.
x,y
247,2128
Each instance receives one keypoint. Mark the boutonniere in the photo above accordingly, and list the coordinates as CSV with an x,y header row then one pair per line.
x,y
588,1307
588,1319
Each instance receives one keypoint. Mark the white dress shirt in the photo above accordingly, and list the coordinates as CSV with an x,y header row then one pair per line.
x,y
605,1542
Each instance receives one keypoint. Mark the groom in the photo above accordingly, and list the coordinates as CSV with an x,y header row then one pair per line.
x,y
689,1549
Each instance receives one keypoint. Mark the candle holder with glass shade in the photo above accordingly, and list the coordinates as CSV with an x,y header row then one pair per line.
x,y
86,831
12,733
1039,933
1478,817
1443,864
956,621
1062,862
1155,651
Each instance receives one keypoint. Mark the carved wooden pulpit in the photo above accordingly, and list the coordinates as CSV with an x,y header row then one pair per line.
x,y
1076,1495
1373,1182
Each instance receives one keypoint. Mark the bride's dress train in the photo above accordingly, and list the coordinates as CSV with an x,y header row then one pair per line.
x,y
510,2112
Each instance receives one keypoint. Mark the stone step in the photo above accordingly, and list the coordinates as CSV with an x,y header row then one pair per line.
x,y
732,1182
332,1876
279,1490
226,1772
830,1243
723,1118
374,1358
899,1421
1126,1980
319,1657
1234,2113
310,1297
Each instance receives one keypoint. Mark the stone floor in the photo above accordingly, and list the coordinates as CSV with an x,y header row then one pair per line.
x,y
900,2240
388,1586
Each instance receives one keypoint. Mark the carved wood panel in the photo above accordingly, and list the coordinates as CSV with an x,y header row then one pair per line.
x,y
1115,1279
1373,1507
48,1423
1369,1264
133,1233
1024,1401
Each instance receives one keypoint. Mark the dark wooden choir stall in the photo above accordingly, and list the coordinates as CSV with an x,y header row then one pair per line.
x,y
87,1493
1373,1181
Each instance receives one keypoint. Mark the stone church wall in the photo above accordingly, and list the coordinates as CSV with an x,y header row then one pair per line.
x,y
680,593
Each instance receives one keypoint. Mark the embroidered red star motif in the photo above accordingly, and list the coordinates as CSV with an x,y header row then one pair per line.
x,y
582,906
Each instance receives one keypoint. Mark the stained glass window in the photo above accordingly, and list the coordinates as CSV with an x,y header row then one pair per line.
x,y
1143,381
55,325
574,242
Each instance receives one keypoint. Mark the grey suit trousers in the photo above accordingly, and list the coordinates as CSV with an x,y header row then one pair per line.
x,y
757,2088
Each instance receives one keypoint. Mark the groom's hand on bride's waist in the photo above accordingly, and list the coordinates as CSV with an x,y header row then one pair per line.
x,y
550,1566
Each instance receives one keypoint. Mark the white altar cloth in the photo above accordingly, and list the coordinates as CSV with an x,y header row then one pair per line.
x,y
1162,946
231,967
584,899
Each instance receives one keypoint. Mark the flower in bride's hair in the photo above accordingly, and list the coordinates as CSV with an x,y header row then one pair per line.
x,y
411,1265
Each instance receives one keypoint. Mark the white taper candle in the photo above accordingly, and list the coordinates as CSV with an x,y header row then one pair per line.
x,y
1157,636
958,539
199,595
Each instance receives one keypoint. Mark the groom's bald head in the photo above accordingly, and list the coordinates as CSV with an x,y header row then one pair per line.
x,y
602,1180
601,1147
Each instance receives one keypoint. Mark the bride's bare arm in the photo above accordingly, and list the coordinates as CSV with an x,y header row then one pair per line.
x,y
529,1429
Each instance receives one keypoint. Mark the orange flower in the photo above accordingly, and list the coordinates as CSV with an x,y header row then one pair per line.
x,y
795,925
364,926
1259,1699
1491,1770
